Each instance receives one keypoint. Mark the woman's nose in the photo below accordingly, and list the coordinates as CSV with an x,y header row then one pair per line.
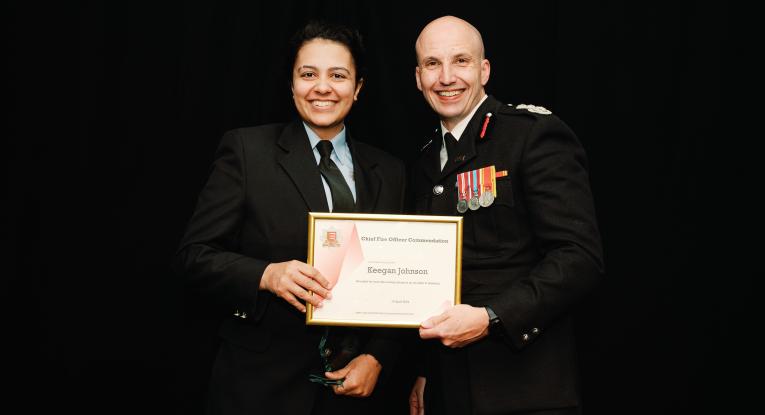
x,y
322,86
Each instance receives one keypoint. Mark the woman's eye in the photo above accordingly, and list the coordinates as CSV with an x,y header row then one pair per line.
x,y
307,75
338,76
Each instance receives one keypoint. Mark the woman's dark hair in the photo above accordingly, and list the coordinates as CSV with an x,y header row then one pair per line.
x,y
318,29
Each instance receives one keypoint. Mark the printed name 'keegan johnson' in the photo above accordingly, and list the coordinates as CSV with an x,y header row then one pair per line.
x,y
397,271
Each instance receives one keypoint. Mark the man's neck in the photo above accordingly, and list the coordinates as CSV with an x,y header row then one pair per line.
x,y
457,128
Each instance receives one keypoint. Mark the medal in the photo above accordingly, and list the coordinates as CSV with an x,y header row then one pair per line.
x,y
462,205
477,188
487,184
486,199
473,204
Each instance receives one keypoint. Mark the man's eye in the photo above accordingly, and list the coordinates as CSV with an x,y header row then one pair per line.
x,y
431,64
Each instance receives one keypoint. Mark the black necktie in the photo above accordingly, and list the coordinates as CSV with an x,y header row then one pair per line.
x,y
342,198
451,147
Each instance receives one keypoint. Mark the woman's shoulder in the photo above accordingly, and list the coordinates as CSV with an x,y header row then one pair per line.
x,y
267,132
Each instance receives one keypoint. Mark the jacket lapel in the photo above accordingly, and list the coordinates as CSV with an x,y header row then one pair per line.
x,y
432,158
466,144
367,178
299,163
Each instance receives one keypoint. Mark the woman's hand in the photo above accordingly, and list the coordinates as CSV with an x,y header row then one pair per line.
x,y
416,399
293,280
359,377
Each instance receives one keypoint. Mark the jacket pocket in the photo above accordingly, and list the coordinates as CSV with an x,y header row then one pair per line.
x,y
491,229
505,193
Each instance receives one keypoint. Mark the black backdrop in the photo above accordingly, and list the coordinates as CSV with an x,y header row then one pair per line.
x,y
117,110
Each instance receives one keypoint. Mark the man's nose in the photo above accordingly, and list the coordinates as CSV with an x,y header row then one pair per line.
x,y
446,77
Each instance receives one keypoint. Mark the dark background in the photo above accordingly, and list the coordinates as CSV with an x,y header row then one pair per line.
x,y
116,110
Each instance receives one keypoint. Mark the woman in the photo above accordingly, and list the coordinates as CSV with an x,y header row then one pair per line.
x,y
246,243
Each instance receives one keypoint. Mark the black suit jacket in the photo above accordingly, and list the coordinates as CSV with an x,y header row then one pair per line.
x,y
252,212
530,256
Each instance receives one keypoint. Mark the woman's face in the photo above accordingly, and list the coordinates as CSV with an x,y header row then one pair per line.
x,y
324,85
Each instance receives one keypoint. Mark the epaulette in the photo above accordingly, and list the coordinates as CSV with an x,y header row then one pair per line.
x,y
536,109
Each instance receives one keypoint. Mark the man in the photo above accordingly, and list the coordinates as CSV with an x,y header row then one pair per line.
x,y
531,247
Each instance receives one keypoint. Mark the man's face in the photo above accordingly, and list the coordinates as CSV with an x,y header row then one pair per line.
x,y
324,85
451,71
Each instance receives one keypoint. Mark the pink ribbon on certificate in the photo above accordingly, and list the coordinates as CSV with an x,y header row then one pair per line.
x,y
337,250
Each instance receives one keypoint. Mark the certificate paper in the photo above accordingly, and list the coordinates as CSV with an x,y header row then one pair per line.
x,y
386,270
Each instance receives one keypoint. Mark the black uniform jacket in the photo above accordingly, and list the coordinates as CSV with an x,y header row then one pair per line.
x,y
529,256
252,212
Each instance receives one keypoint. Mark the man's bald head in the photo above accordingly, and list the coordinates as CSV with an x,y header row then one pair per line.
x,y
450,26
451,68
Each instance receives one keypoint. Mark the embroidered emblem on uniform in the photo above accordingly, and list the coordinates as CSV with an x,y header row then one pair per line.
x,y
534,108
331,238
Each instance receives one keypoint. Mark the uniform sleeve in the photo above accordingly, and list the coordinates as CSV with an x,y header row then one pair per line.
x,y
208,258
557,194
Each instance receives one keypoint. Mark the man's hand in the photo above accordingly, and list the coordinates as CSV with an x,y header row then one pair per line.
x,y
292,280
458,326
360,376
416,398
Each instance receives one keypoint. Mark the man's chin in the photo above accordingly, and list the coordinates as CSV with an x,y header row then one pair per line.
x,y
448,114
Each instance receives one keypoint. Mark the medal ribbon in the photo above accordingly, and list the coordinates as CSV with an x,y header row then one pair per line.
x,y
459,188
480,182
488,180
475,183
466,182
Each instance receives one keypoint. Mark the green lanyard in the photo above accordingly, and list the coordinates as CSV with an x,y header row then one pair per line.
x,y
324,353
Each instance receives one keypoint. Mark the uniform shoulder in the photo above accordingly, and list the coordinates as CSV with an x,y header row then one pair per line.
x,y
528,114
535,111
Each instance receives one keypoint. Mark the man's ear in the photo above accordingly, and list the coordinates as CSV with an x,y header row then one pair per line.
x,y
485,71
417,77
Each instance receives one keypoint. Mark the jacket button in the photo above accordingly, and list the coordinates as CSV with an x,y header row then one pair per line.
x,y
438,189
525,337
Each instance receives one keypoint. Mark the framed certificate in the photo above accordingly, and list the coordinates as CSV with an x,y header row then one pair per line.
x,y
385,270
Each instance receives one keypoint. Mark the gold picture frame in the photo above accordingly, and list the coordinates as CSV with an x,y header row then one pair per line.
x,y
387,270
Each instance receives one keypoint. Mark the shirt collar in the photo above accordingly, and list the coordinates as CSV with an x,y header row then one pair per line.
x,y
339,144
460,127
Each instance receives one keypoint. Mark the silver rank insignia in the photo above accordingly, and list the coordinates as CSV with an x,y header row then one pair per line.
x,y
534,108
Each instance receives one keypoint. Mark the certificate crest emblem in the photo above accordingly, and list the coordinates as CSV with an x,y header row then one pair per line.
x,y
331,238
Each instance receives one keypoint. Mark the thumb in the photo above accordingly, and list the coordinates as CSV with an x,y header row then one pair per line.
x,y
433,321
338,374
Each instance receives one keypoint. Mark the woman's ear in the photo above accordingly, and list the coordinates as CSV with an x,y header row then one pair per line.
x,y
358,89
